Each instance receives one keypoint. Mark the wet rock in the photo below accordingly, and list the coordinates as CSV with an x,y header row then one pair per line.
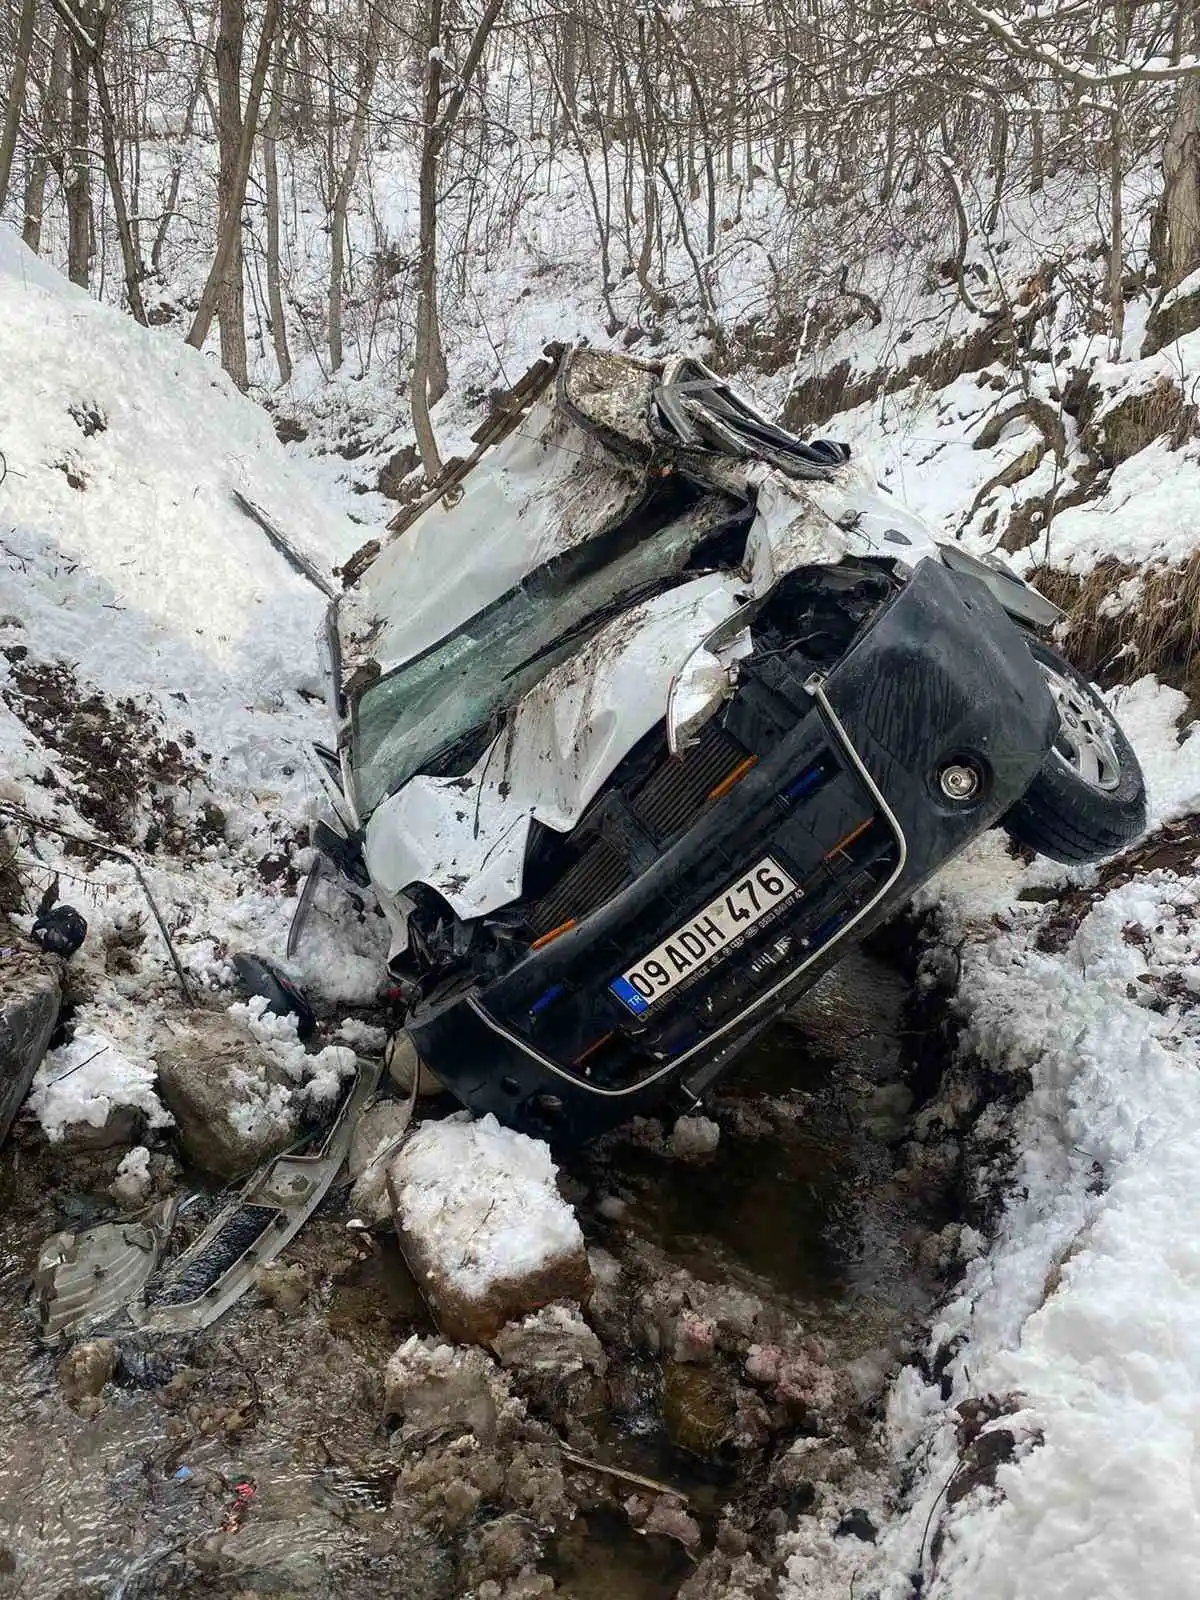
x,y
554,1340
698,1409
694,1137
534,1482
84,1371
527,1585
483,1227
930,1170
121,1125
727,1577
557,1361
435,1386
286,1287
807,1468
228,1095
885,1112
669,1518
30,995
503,1548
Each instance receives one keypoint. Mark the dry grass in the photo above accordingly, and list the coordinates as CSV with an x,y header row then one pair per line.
x,y
1159,632
1134,421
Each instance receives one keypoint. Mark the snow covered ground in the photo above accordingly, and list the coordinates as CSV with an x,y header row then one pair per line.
x,y
158,664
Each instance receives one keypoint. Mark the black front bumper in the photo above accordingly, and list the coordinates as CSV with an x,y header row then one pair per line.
x,y
846,800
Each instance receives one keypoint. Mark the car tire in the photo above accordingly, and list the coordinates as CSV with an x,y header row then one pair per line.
x,y
1089,799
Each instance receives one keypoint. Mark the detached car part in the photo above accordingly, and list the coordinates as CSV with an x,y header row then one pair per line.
x,y
648,711
115,1274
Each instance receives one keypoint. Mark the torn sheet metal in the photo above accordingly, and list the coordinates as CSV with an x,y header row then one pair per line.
x,y
466,837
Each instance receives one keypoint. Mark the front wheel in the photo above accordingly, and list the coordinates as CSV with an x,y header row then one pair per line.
x,y
1089,799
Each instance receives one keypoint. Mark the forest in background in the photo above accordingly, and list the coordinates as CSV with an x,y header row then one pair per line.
x,y
329,185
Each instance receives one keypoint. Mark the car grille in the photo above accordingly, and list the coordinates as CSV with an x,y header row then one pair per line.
x,y
665,805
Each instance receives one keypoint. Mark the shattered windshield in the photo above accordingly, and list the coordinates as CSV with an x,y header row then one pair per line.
x,y
427,707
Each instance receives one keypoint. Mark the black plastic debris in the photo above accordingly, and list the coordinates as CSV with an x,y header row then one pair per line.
x,y
143,1369
59,931
259,977
857,1524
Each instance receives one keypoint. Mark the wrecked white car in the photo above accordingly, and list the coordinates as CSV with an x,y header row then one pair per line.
x,y
649,710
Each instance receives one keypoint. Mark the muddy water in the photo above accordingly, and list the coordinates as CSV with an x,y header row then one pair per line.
x,y
263,1466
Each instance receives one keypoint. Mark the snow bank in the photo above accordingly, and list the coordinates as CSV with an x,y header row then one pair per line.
x,y
1083,1315
484,1226
84,1081
317,1076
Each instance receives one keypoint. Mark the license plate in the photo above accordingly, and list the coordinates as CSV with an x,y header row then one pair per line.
x,y
722,924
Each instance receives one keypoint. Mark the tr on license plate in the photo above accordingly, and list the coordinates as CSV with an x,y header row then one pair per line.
x,y
722,922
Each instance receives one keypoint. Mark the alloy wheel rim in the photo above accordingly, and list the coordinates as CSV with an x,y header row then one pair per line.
x,y
1084,740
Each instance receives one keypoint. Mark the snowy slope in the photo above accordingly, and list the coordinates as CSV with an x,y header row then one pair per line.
x,y
154,643
1076,1327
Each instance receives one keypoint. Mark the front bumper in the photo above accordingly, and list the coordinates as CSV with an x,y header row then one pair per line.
x,y
846,799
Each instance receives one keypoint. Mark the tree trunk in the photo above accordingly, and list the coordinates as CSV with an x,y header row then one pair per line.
x,y
223,287
368,67
79,178
1178,234
53,119
112,168
429,362
16,97
425,394
231,294
283,355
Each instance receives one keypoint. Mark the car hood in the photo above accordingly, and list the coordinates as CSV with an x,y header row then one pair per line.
x,y
466,836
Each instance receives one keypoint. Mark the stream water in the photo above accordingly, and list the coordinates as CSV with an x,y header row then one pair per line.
x,y
262,1466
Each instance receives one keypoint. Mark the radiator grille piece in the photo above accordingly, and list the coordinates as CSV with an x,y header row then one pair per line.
x,y
671,797
667,803
600,871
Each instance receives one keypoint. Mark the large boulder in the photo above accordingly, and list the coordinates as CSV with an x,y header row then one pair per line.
x,y
30,995
230,1097
483,1227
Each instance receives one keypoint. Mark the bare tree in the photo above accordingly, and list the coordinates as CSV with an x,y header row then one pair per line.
x,y
429,376
16,95
223,287
367,69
